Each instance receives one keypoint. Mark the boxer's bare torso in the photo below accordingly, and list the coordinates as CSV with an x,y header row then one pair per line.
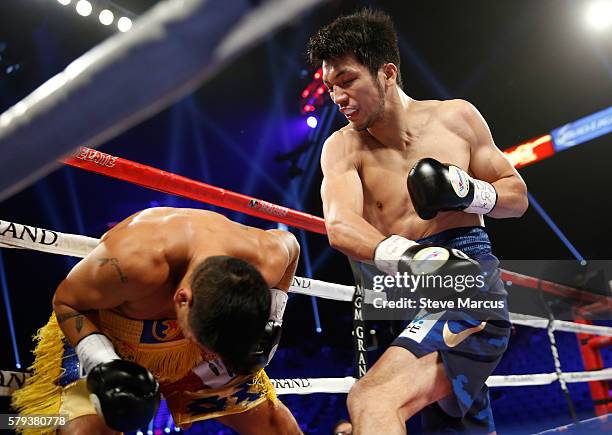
x,y
366,163
141,262
383,170
169,243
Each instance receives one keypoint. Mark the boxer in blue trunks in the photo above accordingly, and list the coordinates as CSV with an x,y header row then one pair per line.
x,y
389,200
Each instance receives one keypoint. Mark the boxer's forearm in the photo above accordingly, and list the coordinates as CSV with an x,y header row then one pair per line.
x,y
353,236
75,324
511,198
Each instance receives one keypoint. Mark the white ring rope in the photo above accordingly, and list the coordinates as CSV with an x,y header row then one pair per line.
x,y
10,381
13,235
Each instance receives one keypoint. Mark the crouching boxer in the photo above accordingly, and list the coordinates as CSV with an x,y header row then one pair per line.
x,y
178,301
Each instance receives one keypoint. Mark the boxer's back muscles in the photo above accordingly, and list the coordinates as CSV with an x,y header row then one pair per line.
x,y
143,260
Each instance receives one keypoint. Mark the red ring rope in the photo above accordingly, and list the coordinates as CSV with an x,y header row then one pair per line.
x,y
157,179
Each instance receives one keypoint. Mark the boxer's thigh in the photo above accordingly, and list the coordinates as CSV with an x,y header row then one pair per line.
x,y
265,418
82,417
404,382
86,425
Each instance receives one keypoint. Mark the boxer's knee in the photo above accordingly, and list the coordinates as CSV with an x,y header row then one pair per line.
x,y
364,397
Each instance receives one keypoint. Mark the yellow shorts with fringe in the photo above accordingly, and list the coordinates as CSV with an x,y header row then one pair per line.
x,y
196,386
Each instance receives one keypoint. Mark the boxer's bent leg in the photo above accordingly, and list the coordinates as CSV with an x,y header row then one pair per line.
x,y
86,425
395,388
266,418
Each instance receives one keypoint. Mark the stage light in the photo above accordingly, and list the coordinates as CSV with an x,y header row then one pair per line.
x,y
124,24
166,430
64,2
84,8
106,17
599,14
312,122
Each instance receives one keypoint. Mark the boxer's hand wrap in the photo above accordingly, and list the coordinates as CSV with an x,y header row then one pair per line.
x,y
265,349
436,187
124,394
95,349
278,303
397,254
389,252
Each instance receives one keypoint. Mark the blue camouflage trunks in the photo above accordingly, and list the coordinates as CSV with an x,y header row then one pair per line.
x,y
471,342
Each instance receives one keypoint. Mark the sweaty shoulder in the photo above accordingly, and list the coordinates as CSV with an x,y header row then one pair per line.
x,y
458,116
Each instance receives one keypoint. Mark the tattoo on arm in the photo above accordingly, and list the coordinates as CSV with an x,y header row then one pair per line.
x,y
115,263
78,318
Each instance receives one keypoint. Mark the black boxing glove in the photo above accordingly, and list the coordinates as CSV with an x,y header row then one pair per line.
x,y
124,394
262,354
398,255
435,187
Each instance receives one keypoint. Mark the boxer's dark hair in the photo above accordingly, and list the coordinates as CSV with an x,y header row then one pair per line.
x,y
369,35
230,307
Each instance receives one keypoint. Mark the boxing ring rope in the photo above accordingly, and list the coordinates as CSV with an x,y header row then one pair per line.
x,y
146,176
115,167
79,246
192,39
54,242
13,235
343,385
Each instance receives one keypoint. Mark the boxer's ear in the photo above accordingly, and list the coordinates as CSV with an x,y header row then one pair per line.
x,y
183,297
390,71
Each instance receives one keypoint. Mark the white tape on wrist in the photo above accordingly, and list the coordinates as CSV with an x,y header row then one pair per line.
x,y
389,251
93,350
277,305
485,198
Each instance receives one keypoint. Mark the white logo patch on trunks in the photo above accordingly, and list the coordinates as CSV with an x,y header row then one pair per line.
x,y
213,373
418,329
459,181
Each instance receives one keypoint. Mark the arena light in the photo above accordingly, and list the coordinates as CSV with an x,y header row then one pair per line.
x,y
106,17
84,8
599,14
64,2
312,122
124,24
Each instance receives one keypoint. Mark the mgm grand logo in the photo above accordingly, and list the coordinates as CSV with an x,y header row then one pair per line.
x,y
291,383
24,232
